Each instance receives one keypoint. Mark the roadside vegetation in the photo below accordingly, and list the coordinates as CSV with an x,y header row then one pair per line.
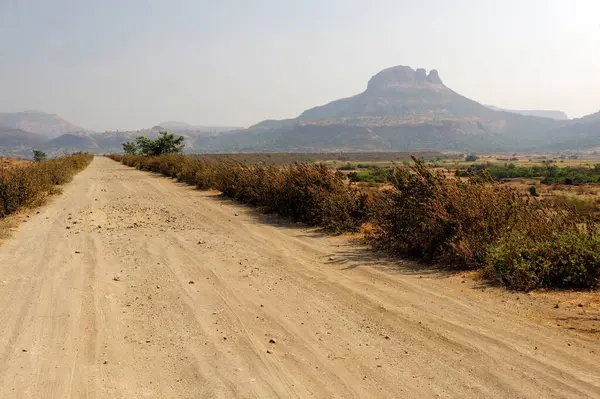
x,y
472,223
166,143
373,174
27,185
549,173
339,160
481,224
39,156
308,193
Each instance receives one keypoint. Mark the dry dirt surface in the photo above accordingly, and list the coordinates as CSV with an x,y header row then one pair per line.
x,y
130,285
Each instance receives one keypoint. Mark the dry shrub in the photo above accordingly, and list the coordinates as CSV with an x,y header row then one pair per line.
x,y
440,219
258,185
582,204
21,187
26,186
314,194
196,172
521,242
309,193
554,246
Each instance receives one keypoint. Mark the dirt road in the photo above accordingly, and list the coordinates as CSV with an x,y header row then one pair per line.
x,y
133,286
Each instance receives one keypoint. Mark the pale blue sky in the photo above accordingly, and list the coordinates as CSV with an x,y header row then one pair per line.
x,y
129,64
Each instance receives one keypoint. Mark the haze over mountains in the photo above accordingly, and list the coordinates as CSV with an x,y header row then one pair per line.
x,y
401,109
552,114
38,122
22,132
186,127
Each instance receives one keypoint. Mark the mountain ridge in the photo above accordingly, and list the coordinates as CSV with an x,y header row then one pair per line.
x,y
49,125
15,140
552,114
400,109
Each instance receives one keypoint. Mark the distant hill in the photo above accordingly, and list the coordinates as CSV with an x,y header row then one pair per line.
x,y
556,115
72,141
402,108
400,95
18,141
108,142
38,122
590,118
578,134
186,127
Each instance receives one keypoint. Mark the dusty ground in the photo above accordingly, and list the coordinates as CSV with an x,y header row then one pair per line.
x,y
132,286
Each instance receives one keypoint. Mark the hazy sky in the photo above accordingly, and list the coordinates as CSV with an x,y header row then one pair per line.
x,y
129,64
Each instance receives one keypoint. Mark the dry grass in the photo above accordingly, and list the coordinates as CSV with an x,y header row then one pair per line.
x,y
334,159
27,185
6,163
583,198
6,226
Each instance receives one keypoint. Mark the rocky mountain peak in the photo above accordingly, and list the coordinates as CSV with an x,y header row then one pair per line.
x,y
434,77
403,76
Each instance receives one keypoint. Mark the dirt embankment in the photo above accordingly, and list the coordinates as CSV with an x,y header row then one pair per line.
x,y
132,286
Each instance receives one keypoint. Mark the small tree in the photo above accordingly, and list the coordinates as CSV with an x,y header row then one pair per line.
x,y
39,156
471,158
145,146
533,191
130,148
166,143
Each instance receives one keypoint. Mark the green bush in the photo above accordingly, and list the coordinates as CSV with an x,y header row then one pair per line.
x,y
166,143
533,191
549,173
372,175
564,260
348,166
39,156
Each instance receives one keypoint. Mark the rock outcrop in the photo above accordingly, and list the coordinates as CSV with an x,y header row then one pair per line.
x,y
403,76
434,77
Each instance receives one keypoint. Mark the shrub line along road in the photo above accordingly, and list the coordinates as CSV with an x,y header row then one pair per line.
x,y
130,285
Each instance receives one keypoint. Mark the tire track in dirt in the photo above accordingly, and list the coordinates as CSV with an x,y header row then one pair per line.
x,y
132,285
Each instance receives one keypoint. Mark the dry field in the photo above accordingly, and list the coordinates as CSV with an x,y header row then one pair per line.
x,y
585,197
12,162
335,159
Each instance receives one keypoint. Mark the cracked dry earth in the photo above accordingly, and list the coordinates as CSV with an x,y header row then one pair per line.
x,y
130,285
